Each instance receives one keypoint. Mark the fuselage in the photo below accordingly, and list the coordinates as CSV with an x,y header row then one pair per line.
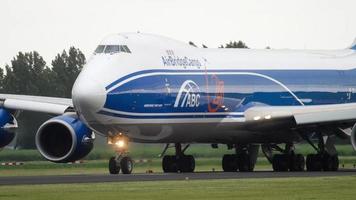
x,y
162,90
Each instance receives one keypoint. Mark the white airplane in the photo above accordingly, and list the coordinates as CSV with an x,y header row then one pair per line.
x,y
151,89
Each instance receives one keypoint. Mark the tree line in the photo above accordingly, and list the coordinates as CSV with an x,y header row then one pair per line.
x,y
29,74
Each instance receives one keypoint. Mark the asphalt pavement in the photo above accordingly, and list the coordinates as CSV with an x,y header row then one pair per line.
x,y
104,178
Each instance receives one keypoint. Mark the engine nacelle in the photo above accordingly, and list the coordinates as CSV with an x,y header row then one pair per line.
x,y
64,139
7,122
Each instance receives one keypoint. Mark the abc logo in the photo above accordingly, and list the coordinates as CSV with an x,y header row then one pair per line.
x,y
193,100
188,95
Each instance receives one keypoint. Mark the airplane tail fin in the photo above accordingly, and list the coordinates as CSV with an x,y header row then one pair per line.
x,y
353,46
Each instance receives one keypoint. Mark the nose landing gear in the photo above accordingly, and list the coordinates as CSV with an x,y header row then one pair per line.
x,y
121,162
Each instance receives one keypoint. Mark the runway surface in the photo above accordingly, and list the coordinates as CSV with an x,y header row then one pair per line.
x,y
23,180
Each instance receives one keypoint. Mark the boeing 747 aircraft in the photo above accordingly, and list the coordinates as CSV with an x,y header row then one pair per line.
x,y
150,89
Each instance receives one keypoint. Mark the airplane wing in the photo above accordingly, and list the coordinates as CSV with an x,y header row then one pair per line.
x,y
50,105
300,116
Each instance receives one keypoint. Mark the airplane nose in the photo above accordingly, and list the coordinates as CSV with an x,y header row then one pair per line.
x,y
88,97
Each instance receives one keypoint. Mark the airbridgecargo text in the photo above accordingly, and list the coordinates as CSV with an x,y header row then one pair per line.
x,y
177,61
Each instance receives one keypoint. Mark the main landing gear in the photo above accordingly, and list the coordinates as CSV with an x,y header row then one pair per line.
x,y
121,162
178,162
322,162
287,160
326,158
243,160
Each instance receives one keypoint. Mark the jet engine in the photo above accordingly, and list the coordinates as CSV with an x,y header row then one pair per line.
x,y
64,139
7,122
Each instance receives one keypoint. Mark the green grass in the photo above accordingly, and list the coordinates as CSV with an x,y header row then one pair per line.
x,y
275,188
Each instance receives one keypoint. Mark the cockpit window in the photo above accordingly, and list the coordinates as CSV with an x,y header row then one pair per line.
x,y
127,50
111,49
100,49
122,49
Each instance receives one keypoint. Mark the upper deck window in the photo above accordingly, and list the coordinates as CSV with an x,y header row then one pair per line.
x,y
111,49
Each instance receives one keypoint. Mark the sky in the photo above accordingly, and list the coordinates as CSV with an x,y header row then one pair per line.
x,y
49,26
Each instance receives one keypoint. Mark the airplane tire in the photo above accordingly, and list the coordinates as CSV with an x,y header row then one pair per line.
x,y
244,163
126,165
172,164
169,164
327,162
186,163
318,162
189,163
335,163
166,164
297,163
114,168
230,163
314,162
330,162
280,162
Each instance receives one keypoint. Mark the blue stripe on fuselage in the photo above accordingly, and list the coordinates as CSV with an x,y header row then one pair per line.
x,y
315,87
287,76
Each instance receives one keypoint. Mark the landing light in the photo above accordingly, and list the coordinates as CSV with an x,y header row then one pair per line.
x,y
257,118
120,144
268,117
